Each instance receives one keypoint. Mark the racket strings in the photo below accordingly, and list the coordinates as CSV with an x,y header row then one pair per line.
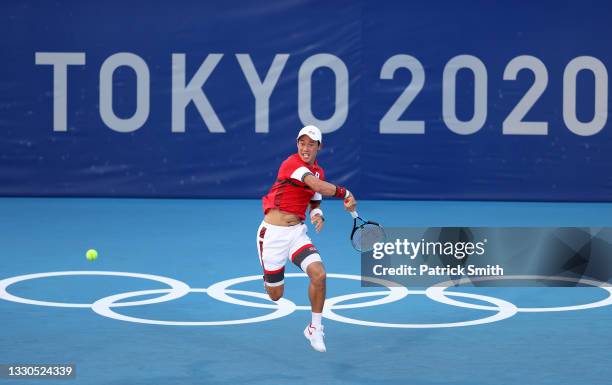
x,y
366,236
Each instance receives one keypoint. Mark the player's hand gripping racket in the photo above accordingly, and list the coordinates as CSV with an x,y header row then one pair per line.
x,y
366,233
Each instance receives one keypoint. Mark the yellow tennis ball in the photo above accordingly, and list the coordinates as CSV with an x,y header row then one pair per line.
x,y
91,255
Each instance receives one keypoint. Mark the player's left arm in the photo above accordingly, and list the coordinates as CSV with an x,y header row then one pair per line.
x,y
327,189
316,215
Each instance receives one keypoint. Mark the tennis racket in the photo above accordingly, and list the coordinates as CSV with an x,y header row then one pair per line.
x,y
366,233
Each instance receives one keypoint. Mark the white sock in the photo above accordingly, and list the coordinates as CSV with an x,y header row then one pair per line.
x,y
316,320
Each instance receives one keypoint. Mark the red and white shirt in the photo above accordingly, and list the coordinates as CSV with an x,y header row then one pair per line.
x,y
289,193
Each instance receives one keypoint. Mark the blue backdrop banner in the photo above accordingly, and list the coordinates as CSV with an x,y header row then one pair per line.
x,y
417,100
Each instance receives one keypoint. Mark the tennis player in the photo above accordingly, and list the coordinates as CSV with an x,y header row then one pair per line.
x,y
300,184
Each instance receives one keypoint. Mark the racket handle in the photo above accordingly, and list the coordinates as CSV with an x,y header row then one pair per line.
x,y
354,214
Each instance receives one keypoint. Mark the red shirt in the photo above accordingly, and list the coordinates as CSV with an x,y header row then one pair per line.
x,y
289,193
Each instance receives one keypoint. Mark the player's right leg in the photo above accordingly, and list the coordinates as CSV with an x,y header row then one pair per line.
x,y
275,292
273,249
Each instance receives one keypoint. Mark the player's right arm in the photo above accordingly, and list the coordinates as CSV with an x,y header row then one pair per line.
x,y
331,190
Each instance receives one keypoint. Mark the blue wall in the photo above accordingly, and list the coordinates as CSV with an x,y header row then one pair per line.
x,y
418,100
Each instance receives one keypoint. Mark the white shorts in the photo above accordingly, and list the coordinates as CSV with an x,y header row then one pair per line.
x,y
277,244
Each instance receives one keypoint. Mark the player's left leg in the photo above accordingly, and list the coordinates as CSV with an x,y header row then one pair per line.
x,y
316,293
316,289
307,258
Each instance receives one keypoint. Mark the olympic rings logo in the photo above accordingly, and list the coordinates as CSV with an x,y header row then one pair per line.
x,y
221,291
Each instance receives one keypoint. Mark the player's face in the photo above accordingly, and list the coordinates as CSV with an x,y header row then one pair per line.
x,y
307,149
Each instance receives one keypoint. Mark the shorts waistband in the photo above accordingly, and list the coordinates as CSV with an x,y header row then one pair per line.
x,y
264,223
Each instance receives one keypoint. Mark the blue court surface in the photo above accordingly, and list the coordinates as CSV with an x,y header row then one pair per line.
x,y
198,244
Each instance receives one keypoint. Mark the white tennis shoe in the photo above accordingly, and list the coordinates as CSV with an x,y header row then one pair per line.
x,y
315,336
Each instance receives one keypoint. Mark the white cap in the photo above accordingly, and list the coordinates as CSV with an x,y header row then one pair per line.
x,y
313,133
